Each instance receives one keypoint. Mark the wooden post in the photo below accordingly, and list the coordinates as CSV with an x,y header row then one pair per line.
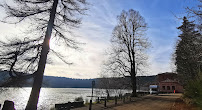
x,y
98,100
130,99
115,100
121,96
93,84
105,104
123,99
90,105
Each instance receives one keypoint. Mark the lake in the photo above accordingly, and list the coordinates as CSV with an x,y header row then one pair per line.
x,y
51,96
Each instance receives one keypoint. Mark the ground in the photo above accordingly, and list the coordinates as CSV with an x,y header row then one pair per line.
x,y
149,102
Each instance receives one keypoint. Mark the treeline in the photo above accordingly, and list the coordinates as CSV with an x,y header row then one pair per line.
x,y
51,81
188,56
110,83
125,82
105,83
62,82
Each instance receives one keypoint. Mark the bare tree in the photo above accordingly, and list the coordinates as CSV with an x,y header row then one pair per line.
x,y
197,13
128,46
29,55
196,10
20,59
112,85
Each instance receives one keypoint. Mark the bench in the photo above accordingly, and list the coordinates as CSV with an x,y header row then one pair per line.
x,y
67,106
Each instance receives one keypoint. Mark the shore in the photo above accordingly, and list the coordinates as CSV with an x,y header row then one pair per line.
x,y
148,102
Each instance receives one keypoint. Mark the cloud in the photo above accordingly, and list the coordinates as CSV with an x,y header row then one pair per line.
x,y
159,59
96,33
96,28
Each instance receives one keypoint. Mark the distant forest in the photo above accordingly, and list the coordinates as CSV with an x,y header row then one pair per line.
x,y
63,82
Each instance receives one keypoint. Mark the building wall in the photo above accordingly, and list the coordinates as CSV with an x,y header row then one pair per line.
x,y
170,87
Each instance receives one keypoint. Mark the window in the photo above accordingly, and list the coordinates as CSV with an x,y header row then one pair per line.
x,y
168,87
173,87
164,88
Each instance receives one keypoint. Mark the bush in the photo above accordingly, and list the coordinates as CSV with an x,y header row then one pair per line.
x,y
193,92
78,99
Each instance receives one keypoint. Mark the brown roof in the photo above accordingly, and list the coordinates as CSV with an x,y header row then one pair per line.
x,y
169,80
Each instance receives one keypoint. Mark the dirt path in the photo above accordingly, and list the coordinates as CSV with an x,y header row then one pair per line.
x,y
149,102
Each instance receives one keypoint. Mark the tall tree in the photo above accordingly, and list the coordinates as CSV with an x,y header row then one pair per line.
x,y
128,46
188,51
196,10
47,17
197,13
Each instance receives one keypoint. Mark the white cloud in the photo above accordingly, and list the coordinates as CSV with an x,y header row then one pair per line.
x,y
96,31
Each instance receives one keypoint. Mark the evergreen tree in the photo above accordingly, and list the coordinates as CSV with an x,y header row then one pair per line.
x,y
188,51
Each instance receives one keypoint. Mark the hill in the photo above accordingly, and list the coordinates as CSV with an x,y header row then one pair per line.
x,y
63,82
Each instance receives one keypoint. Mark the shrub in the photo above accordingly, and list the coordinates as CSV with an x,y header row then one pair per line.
x,y
78,99
193,92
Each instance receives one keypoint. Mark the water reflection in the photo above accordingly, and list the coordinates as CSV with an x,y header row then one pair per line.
x,y
48,96
18,95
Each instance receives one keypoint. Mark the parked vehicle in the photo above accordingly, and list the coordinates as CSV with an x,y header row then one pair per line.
x,y
153,89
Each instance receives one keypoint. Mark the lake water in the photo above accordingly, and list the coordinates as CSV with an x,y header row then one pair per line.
x,y
50,96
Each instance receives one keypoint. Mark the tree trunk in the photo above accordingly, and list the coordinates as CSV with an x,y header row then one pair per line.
x,y
133,81
34,96
134,93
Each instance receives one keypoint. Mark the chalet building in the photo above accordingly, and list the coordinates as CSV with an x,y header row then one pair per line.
x,y
168,83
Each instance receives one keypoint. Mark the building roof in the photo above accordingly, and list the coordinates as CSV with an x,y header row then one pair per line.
x,y
169,80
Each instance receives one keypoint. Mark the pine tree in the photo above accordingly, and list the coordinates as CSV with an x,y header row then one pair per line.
x,y
188,51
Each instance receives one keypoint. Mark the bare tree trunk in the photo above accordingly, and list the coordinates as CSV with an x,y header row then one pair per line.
x,y
133,80
134,93
34,96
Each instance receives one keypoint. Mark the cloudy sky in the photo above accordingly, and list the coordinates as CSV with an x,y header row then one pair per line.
x,y
162,17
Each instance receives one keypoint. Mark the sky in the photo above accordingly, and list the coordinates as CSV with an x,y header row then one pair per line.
x,y
162,17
